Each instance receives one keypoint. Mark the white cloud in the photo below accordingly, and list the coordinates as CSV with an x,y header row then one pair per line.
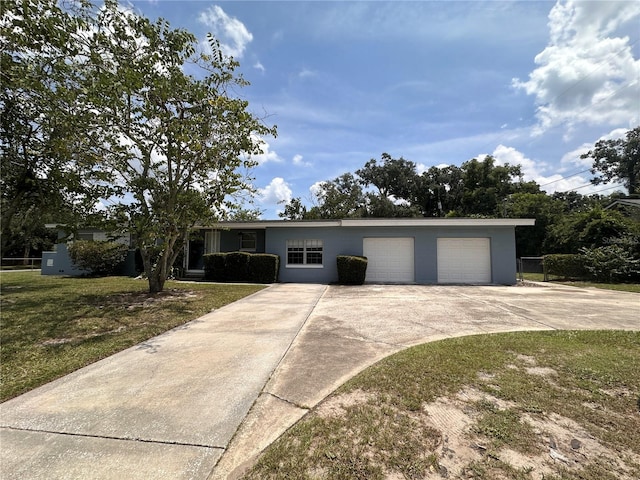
x,y
586,74
316,189
267,154
306,73
298,161
259,66
573,159
276,192
421,168
229,31
557,182
531,170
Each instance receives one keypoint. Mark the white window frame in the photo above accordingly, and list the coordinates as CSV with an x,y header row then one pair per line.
x,y
255,239
309,246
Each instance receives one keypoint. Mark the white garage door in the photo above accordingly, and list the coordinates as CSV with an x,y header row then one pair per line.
x,y
390,259
464,260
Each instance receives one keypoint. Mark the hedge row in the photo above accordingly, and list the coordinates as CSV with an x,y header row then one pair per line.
x,y
352,269
241,267
610,263
565,265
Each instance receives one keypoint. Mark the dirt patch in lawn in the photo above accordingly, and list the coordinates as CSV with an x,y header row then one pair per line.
x,y
521,406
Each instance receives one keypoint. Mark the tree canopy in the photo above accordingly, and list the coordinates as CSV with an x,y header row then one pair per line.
x,y
153,130
617,159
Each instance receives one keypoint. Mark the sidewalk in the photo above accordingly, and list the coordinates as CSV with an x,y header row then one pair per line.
x,y
164,409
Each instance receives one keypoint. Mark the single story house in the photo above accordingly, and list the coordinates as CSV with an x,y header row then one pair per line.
x,y
407,250
403,250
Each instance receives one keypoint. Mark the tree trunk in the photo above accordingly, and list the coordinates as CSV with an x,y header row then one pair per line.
x,y
156,282
153,272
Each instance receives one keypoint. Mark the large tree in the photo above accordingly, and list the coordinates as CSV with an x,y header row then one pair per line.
x,y
487,186
617,160
177,144
341,197
47,168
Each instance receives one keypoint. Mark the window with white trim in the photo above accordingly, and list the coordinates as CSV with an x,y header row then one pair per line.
x,y
304,252
248,241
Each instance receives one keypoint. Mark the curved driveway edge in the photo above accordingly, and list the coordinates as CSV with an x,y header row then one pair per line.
x,y
353,327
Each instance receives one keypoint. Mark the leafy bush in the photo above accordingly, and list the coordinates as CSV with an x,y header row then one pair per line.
x,y
237,266
263,268
565,265
610,263
352,269
214,267
241,267
98,257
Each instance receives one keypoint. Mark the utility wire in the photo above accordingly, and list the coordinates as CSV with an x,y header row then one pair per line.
x,y
564,178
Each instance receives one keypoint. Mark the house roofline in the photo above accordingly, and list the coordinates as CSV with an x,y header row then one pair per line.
x,y
377,222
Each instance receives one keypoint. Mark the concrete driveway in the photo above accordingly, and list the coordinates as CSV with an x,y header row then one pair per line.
x,y
203,400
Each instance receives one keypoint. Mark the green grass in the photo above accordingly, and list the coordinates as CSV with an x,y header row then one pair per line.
x,y
51,326
622,287
523,384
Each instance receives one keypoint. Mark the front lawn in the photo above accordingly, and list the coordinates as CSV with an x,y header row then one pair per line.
x,y
51,326
523,406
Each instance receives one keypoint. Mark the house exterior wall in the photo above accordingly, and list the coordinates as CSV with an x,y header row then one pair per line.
x,y
349,241
230,241
59,263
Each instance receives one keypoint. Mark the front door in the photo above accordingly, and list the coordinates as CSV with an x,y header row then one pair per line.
x,y
201,243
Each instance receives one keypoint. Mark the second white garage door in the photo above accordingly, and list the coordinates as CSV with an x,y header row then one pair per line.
x,y
464,260
390,260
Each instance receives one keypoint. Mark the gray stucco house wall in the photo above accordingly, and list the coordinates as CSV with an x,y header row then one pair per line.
x,y
349,241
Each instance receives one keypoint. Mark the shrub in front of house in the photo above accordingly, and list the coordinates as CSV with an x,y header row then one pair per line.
x,y
215,267
241,267
237,266
98,257
352,269
567,265
263,268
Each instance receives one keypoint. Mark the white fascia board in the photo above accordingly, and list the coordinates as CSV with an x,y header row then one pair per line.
x,y
374,222
440,222
263,225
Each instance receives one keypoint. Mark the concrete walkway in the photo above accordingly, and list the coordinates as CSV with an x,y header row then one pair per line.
x,y
165,409
203,401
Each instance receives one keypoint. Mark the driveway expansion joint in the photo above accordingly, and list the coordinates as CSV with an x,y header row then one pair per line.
x,y
288,402
109,437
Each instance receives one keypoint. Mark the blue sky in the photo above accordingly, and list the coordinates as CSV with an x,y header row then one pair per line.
x,y
438,83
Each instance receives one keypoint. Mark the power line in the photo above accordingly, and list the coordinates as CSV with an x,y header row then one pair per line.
x,y
590,184
564,178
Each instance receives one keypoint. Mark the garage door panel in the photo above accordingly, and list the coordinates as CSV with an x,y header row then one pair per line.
x,y
464,260
389,259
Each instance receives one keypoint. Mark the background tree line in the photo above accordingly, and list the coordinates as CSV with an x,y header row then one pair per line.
x,y
565,222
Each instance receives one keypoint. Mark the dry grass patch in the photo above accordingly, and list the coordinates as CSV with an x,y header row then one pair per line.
x,y
530,406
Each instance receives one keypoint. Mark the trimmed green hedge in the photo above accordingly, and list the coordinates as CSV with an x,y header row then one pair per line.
x,y
241,267
263,268
352,269
567,265
214,267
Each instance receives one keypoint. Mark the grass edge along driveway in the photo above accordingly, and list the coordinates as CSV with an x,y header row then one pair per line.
x,y
51,326
527,405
